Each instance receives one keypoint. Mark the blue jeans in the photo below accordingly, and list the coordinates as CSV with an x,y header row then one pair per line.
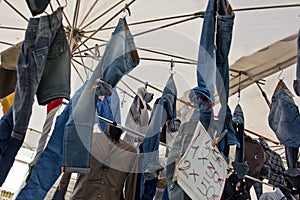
x,y
163,111
48,167
291,154
109,108
55,81
284,118
39,37
297,81
6,126
206,65
182,141
120,51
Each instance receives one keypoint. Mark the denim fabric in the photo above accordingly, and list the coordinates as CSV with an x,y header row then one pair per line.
x,y
206,65
223,43
108,108
55,81
48,167
203,111
297,81
284,118
182,140
291,154
240,167
6,126
37,6
39,36
119,51
164,110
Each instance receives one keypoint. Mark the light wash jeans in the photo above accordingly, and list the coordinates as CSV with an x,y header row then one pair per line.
x,y
120,51
164,110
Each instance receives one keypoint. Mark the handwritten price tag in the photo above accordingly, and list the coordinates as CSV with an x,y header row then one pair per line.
x,y
201,172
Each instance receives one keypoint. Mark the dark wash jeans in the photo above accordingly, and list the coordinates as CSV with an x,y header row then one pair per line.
x,y
39,37
78,130
43,37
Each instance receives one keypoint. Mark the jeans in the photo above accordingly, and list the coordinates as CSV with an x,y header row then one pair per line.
x,y
39,37
182,141
206,65
297,81
120,50
291,154
223,41
37,6
284,118
6,126
108,108
48,167
55,82
164,110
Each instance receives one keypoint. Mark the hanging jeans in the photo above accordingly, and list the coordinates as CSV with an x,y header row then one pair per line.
x,y
182,141
284,118
48,168
6,126
297,81
164,111
44,36
292,154
120,51
206,65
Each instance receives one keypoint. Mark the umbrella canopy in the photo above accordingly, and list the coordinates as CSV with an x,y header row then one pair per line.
x,y
165,31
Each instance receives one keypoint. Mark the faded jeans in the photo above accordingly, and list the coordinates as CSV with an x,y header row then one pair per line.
x,y
164,111
284,118
44,36
120,51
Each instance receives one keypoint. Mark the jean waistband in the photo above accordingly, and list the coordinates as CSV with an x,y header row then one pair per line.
x,y
44,23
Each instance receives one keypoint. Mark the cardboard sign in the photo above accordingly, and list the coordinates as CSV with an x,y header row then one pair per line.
x,y
201,172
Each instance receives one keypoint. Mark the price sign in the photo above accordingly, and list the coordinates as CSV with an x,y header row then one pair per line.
x,y
201,172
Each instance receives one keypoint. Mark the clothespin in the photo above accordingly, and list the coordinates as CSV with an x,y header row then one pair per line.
x,y
146,84
172,66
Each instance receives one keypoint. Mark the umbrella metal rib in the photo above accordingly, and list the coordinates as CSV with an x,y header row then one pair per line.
x,y
88,13
201,14
65,16
102,14
114,16
16,10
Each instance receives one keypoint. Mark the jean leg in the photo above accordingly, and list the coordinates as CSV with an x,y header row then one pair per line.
x,y
206,67
291,154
